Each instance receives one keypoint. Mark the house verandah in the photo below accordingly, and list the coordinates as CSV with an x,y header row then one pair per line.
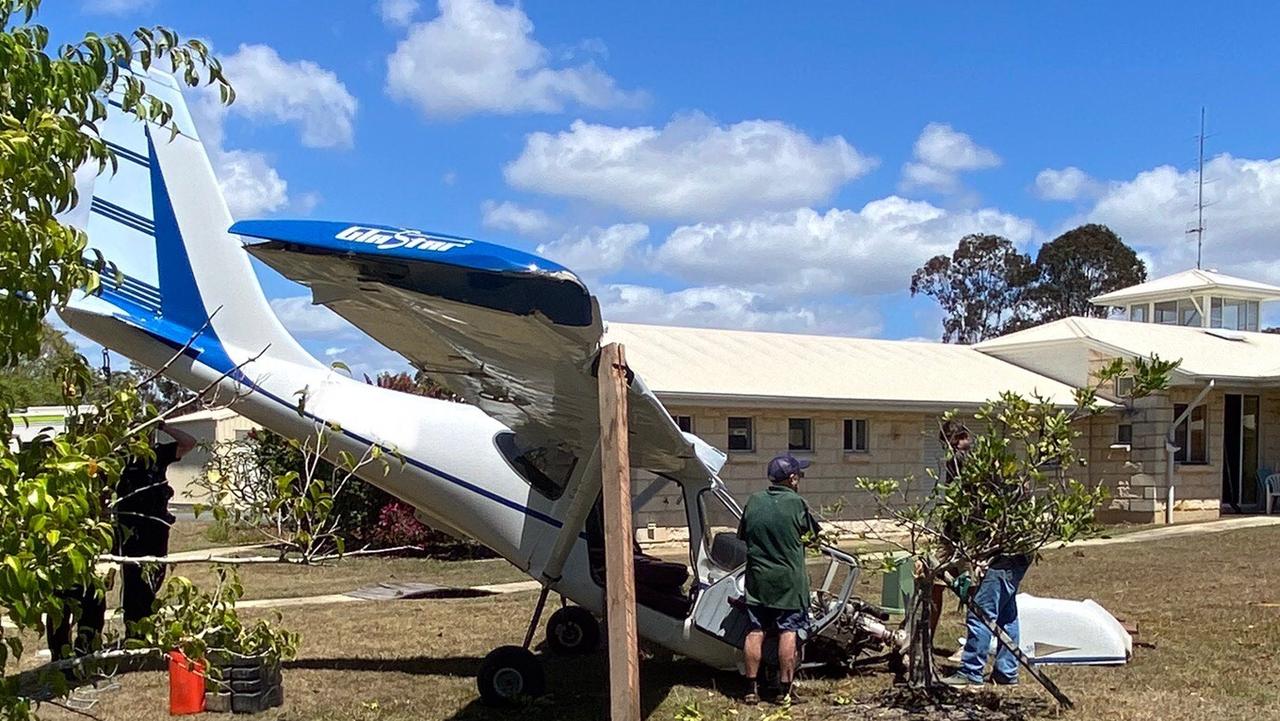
x,y
1218,422
1228,441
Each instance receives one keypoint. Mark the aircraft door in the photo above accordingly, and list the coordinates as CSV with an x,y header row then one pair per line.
x,y
719,609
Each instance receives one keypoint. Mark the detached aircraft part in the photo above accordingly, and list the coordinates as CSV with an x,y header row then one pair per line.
x,y
1058,631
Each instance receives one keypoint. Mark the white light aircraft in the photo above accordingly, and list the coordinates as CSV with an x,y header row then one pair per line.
x,y
516,336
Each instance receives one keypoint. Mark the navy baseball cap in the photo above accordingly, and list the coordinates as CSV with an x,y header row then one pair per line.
x,y
785,465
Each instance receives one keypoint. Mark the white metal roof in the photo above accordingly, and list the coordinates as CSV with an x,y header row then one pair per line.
x,y
1205,352
720,366
1186,283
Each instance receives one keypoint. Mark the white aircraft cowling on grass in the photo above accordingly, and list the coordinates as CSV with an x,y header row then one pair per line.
x,y
514,335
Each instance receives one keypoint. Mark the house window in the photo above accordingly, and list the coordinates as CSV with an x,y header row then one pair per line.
x,y
856,438
1124,434
742,435
684,423
1167,312
1124,386
1138,313
800,434
1188,313
1191,435
1232,314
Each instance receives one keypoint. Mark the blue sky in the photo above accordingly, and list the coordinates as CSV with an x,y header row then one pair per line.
x,y
774,166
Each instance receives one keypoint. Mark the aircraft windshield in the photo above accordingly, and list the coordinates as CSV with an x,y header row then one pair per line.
x,y
546,468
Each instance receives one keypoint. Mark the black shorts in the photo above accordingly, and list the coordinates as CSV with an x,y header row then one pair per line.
x,y
763,618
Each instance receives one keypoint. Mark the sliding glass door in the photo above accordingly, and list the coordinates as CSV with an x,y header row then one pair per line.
x,y
1240,445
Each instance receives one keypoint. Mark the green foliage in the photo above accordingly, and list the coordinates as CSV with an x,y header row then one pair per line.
x,y
38,381
690,711
1080,264
57,493
1011,491
286,488
197,622
158,390
987,288
981,287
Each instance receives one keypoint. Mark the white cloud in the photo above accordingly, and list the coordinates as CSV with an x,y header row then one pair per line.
x,y
398,13
303,319
116,7
515,218
691,168
941,153
1069,183
271,89
1153,211
249,182
799,252
596,251
332,351
297,92
481,57
728,307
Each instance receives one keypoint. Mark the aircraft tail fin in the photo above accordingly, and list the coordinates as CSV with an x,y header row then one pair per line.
x,y
161,218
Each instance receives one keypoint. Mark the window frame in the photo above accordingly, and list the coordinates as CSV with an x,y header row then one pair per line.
x,y
1186,454
676,417
1189,311
850,435
806,429
750,434
1145,312
1158,313
1123,438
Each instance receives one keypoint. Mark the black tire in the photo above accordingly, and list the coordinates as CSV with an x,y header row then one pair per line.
x,y
573,631
508,674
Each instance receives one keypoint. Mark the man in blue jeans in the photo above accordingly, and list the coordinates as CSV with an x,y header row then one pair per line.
x,y
996,598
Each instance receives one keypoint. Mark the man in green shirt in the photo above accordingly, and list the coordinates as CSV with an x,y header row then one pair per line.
x,y
774,526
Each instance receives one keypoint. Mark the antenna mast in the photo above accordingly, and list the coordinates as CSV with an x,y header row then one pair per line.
x,y
1199,229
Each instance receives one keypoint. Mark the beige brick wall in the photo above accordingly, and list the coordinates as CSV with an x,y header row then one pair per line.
x,y
900,446
1139,488
896,449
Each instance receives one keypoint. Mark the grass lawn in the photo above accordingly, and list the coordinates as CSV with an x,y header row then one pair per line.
x,y
189,535
272,580
1210,604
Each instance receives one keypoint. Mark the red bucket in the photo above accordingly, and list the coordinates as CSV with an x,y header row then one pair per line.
x,y
186,685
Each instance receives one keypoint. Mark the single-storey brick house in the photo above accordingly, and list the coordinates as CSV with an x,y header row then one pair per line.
x,y
864,407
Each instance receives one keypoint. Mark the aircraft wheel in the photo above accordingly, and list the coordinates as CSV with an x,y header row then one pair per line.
x,y
572,631
510,673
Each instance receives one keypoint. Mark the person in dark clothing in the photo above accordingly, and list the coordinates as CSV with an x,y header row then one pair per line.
x,y
958,441
776,524
84,609
143,521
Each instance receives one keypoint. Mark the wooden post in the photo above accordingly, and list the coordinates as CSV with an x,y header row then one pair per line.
x,y
620,577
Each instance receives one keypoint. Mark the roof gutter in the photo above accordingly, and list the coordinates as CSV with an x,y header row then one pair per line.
x,y
1170,449
679,398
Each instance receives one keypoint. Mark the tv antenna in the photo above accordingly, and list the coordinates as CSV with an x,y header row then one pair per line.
x,y
1199,229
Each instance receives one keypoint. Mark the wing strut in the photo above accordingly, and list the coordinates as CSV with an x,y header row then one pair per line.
x,y
585,492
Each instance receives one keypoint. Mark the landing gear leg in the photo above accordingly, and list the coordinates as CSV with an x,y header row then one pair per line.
x,y
537,616
510,673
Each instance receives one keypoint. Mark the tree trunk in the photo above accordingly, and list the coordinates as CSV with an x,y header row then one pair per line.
x,y
920,673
